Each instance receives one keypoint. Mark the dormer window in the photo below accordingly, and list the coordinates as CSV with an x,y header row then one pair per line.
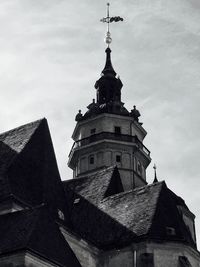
x,y
76,200
117,130
61,215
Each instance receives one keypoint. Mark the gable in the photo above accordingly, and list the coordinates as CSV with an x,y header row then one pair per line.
x,y
90,223
168,224
97,186
134,209
30,172
11,144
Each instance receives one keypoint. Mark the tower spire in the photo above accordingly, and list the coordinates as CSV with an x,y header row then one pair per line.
x,y
108,69
155,174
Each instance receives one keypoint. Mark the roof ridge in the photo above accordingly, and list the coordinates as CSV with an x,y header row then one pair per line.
x,y
157,201
21,126
27,141
89,176
132,191
102,170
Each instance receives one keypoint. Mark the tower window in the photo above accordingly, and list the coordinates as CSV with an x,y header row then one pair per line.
x,y
170,231
139,167
93,131
91,160
117,130
118,158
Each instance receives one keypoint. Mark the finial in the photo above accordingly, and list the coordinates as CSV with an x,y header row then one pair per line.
x,y
135,113
155,174
108,20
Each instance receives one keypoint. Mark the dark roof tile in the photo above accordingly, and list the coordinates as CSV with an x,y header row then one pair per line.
x,y
134,209
96,186
29,170
34,230
92,224
12,143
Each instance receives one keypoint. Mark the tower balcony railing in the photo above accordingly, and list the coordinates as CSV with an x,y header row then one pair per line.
x,y
109,136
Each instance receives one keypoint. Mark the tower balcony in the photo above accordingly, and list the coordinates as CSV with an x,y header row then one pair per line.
x,y
108,136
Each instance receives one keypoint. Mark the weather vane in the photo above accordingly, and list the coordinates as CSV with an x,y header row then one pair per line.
x,y
109,20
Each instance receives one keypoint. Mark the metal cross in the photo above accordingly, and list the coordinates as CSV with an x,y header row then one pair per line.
x,y
109,20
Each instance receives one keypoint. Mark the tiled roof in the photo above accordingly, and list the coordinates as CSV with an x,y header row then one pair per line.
x,y
95,207
34,230
129,214
17,138
148,212
92,224
95,187
12,142
134,209
28,168
125,217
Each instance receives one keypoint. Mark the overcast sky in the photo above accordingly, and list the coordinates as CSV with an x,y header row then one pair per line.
x,y
52,52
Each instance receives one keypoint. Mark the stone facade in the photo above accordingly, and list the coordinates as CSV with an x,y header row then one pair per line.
x,y
25,259
143,254
108,140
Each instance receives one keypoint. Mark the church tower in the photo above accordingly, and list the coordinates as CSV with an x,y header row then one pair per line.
x,y
108,134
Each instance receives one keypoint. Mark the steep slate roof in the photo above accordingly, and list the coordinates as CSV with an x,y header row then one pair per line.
x,y
12,143
88,222
95,207
95,187
134,209
139,214
35,231
148,211
28,168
